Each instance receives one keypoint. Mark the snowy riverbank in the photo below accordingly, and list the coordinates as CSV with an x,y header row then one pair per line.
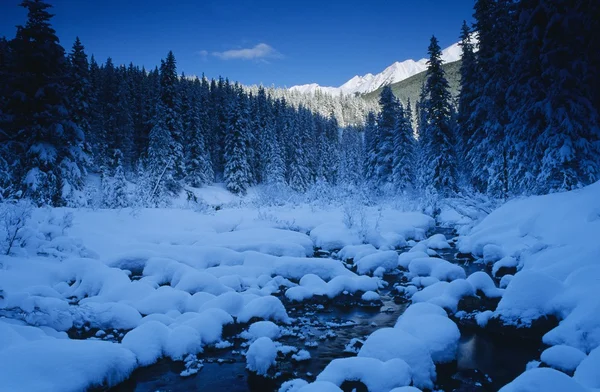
x,y
94,294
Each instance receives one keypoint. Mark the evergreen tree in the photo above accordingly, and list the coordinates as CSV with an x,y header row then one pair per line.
x,y
467,94
437,134
569,143
386,123
171,102
237,173
371,147
52,169
199,166
404,144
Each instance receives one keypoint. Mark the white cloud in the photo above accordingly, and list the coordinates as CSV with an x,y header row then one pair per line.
x,y
261,51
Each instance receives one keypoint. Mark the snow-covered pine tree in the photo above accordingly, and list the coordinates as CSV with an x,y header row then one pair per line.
x,y
120,195
403,158
52,170
466,96
298,172
199,166
478,145
237,173
569,144
437,134
80,87
386,122
160,164
171,102
371,148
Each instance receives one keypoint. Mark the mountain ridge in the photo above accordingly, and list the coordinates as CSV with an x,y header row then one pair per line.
x,y
395,73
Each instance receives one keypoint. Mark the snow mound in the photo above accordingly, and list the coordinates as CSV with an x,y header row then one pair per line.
x,y
261,355
543,379
333,236
436,268
64,365
377,376
436,331
563,358
389,343
261,329
388,260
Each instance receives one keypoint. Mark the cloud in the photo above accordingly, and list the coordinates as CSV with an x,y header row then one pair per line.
x,y
261,51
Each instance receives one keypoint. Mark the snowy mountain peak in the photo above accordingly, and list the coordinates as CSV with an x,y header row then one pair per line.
x,y
395,73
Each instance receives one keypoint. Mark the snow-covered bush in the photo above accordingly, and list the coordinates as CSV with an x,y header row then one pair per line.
x,y
13,220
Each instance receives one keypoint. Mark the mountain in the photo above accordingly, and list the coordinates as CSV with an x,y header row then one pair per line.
x,y
395,73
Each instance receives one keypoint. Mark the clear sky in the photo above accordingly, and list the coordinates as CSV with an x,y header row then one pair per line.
x,y
284,42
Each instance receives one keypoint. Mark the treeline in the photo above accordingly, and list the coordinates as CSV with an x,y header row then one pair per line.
x,y
526,120
62,117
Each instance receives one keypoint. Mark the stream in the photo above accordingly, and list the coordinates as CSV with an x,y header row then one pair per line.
x,y
484,362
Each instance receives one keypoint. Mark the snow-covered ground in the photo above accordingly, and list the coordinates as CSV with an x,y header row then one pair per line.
x,y
87,296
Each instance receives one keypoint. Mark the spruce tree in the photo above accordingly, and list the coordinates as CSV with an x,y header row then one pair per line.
x,y
371,147
403,158
52,169
171,102
236,173
466,96
437,133
199,167
386,123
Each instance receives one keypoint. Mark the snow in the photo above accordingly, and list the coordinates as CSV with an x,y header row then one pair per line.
x,y
377,376
169,280
543,379
563,358
261,329
261,355
267,308
64,365
587,372
528,297
389,343
302,355
333,236
388,260
396,72
370,296
434,329
436,268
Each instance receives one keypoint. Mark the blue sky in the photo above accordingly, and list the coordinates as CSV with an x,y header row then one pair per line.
x,y
270,42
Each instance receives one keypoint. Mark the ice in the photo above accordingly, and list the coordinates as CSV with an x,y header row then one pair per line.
x,y
64,365
563,358
261,355
377,376
389,343
543,379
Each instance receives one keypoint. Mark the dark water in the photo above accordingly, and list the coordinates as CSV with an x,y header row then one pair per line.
x,y
480,356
